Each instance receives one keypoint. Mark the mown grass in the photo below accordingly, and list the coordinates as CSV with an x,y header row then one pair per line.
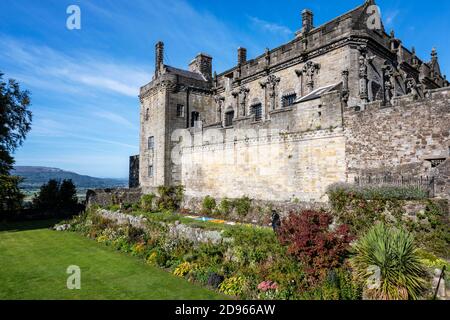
x,y
34,260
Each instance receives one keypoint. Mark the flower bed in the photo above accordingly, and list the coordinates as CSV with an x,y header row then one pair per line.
x,y
308,258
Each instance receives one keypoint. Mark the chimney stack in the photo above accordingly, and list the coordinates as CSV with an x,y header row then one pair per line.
x,y
202,64
242,56
159,58
307,21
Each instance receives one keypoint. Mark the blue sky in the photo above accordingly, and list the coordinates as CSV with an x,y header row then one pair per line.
x,y
85,83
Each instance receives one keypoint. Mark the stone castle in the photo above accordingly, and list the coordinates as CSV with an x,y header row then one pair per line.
x,y
340,101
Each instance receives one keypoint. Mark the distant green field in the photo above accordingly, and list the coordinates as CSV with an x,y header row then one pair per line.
x,y
34,260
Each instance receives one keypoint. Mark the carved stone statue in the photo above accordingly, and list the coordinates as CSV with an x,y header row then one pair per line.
x,y
271,88
243,100
219,102
310,70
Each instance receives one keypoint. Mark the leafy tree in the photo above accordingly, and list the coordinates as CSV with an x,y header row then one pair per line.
x,y
386,261
47,198
67,198
10,195
57,197
15,121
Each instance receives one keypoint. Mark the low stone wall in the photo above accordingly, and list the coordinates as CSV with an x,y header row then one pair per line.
x,y
414,207
107,197
261,211
175,231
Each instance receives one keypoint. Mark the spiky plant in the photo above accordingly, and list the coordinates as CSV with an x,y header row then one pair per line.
x,y
388,258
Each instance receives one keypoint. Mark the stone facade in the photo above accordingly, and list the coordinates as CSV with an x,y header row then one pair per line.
x,y
106,197
337,101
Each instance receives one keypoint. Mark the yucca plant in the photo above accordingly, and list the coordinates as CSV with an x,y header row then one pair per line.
x,y
386,261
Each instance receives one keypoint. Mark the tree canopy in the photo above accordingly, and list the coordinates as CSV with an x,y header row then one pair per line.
x,y
15,120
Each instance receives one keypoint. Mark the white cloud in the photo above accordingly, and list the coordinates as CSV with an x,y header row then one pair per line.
x,y
42,67
391,16
115,118
270,26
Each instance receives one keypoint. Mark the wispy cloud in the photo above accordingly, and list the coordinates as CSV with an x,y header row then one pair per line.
x,y
115,118
270,26
42,67
390,17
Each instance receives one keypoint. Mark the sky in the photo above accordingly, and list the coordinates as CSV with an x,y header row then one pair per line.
x,y
85,83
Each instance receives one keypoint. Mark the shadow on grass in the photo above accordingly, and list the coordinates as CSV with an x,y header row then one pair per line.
x,y
28,225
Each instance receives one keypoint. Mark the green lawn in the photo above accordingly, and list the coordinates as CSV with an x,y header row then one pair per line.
x,y
34,259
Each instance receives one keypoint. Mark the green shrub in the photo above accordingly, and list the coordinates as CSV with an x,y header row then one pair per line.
x,y
184,269
391,251
147,202
234,286
208,205
170,197
432,229
242,206
338,285
382,192
225,207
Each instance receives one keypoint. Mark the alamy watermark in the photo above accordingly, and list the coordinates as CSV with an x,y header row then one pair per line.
x,y
73,21
374,20
374,281
74,279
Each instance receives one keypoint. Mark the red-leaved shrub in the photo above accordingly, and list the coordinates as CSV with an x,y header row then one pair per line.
x,y
310,239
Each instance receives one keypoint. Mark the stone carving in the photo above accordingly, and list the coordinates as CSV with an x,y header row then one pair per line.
x,y
271,89
310,70
235,95
345,89
388,84
364,62
219,102
412,88
243,100
307,75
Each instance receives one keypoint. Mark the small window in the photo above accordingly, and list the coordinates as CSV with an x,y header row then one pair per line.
x,y
147,114
289,100
229,117
436,162
150,171
257,111
151,143
195,116
180,111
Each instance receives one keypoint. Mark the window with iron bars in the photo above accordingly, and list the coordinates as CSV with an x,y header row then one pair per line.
x,y
180,111
289,100
257,111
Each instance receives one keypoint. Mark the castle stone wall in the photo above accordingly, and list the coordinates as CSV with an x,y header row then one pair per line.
x,y
398,139
277,168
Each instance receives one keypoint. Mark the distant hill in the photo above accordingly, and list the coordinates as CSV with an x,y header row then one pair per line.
x,y
37,176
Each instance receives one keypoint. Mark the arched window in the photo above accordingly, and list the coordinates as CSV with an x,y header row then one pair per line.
x,y
195,116
229,117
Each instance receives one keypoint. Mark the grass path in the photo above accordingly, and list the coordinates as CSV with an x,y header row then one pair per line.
x,y
34,259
